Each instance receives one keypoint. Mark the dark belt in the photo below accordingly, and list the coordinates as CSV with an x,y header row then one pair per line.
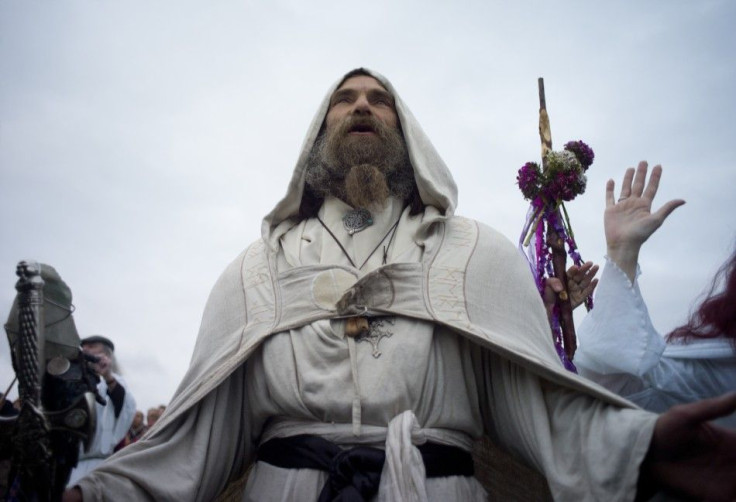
x,y
355,473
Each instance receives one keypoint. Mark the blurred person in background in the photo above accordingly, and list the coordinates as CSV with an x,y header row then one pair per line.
x,y
152,416
113,418
136,431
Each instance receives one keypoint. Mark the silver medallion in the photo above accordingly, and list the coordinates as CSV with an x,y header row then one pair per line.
x,y
356,220
377,331
75,419
58,366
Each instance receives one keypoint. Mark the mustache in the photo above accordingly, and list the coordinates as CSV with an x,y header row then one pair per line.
x,y
362,123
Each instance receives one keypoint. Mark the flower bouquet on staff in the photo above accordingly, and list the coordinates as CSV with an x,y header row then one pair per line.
x,y
547,235
548,225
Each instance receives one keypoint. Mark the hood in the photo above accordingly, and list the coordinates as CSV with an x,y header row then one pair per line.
x,y
435,183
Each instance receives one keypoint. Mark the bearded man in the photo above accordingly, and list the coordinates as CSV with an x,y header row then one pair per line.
x,y
361,346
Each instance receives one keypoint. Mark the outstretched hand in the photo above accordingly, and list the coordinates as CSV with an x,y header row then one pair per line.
x,y
629,222
689,456
580,284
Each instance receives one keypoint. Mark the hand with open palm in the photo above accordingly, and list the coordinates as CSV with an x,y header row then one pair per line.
x,y
581,282
629,222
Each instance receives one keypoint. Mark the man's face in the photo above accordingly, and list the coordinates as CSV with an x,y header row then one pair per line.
x,y
361,156
103,367
361,96
361,127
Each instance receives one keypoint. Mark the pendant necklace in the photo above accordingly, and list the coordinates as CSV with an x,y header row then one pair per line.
x,y
356,220
361,328
391,231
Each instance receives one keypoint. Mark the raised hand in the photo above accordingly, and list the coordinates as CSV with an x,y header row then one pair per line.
x,y
629,222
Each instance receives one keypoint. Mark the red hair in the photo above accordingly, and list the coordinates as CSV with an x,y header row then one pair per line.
x,y
716,315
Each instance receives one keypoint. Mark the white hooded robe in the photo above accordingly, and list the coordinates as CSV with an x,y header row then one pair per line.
x,y
470,353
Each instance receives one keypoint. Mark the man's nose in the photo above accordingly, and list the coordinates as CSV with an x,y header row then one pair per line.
x,y
362,106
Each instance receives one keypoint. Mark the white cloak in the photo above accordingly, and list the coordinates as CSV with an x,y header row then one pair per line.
x,y
467,279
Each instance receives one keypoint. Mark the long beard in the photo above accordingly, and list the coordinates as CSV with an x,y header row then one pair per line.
x,y
360,170
366,186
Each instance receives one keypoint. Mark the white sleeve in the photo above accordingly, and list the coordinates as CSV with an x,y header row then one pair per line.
x,y
617,336
192,459
620,349
585,448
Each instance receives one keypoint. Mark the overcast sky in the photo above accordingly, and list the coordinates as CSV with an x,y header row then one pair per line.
x,y
141,143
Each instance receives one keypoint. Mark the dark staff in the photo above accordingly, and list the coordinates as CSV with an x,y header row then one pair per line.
x,y
31,453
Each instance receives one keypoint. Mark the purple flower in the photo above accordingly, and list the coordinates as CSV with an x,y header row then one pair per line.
x,y
529,179
564,178
582,152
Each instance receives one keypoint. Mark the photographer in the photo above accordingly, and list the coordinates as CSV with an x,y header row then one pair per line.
x,y
115,417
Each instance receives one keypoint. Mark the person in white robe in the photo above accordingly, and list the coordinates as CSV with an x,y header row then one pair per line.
x,y
397,329
113,419
619,346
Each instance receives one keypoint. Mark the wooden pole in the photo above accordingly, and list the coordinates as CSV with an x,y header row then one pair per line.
x,y
555,242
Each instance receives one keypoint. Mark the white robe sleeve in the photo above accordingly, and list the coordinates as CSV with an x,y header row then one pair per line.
x,y
192,459
617,336
586,449
587,446
192,456
620,349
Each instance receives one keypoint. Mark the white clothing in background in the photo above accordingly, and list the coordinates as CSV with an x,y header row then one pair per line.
x,y
109,432
619,348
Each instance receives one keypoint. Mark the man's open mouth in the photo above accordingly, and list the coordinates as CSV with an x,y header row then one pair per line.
x,y
361,129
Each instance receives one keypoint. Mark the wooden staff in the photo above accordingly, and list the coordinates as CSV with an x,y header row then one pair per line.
x,y
555,242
